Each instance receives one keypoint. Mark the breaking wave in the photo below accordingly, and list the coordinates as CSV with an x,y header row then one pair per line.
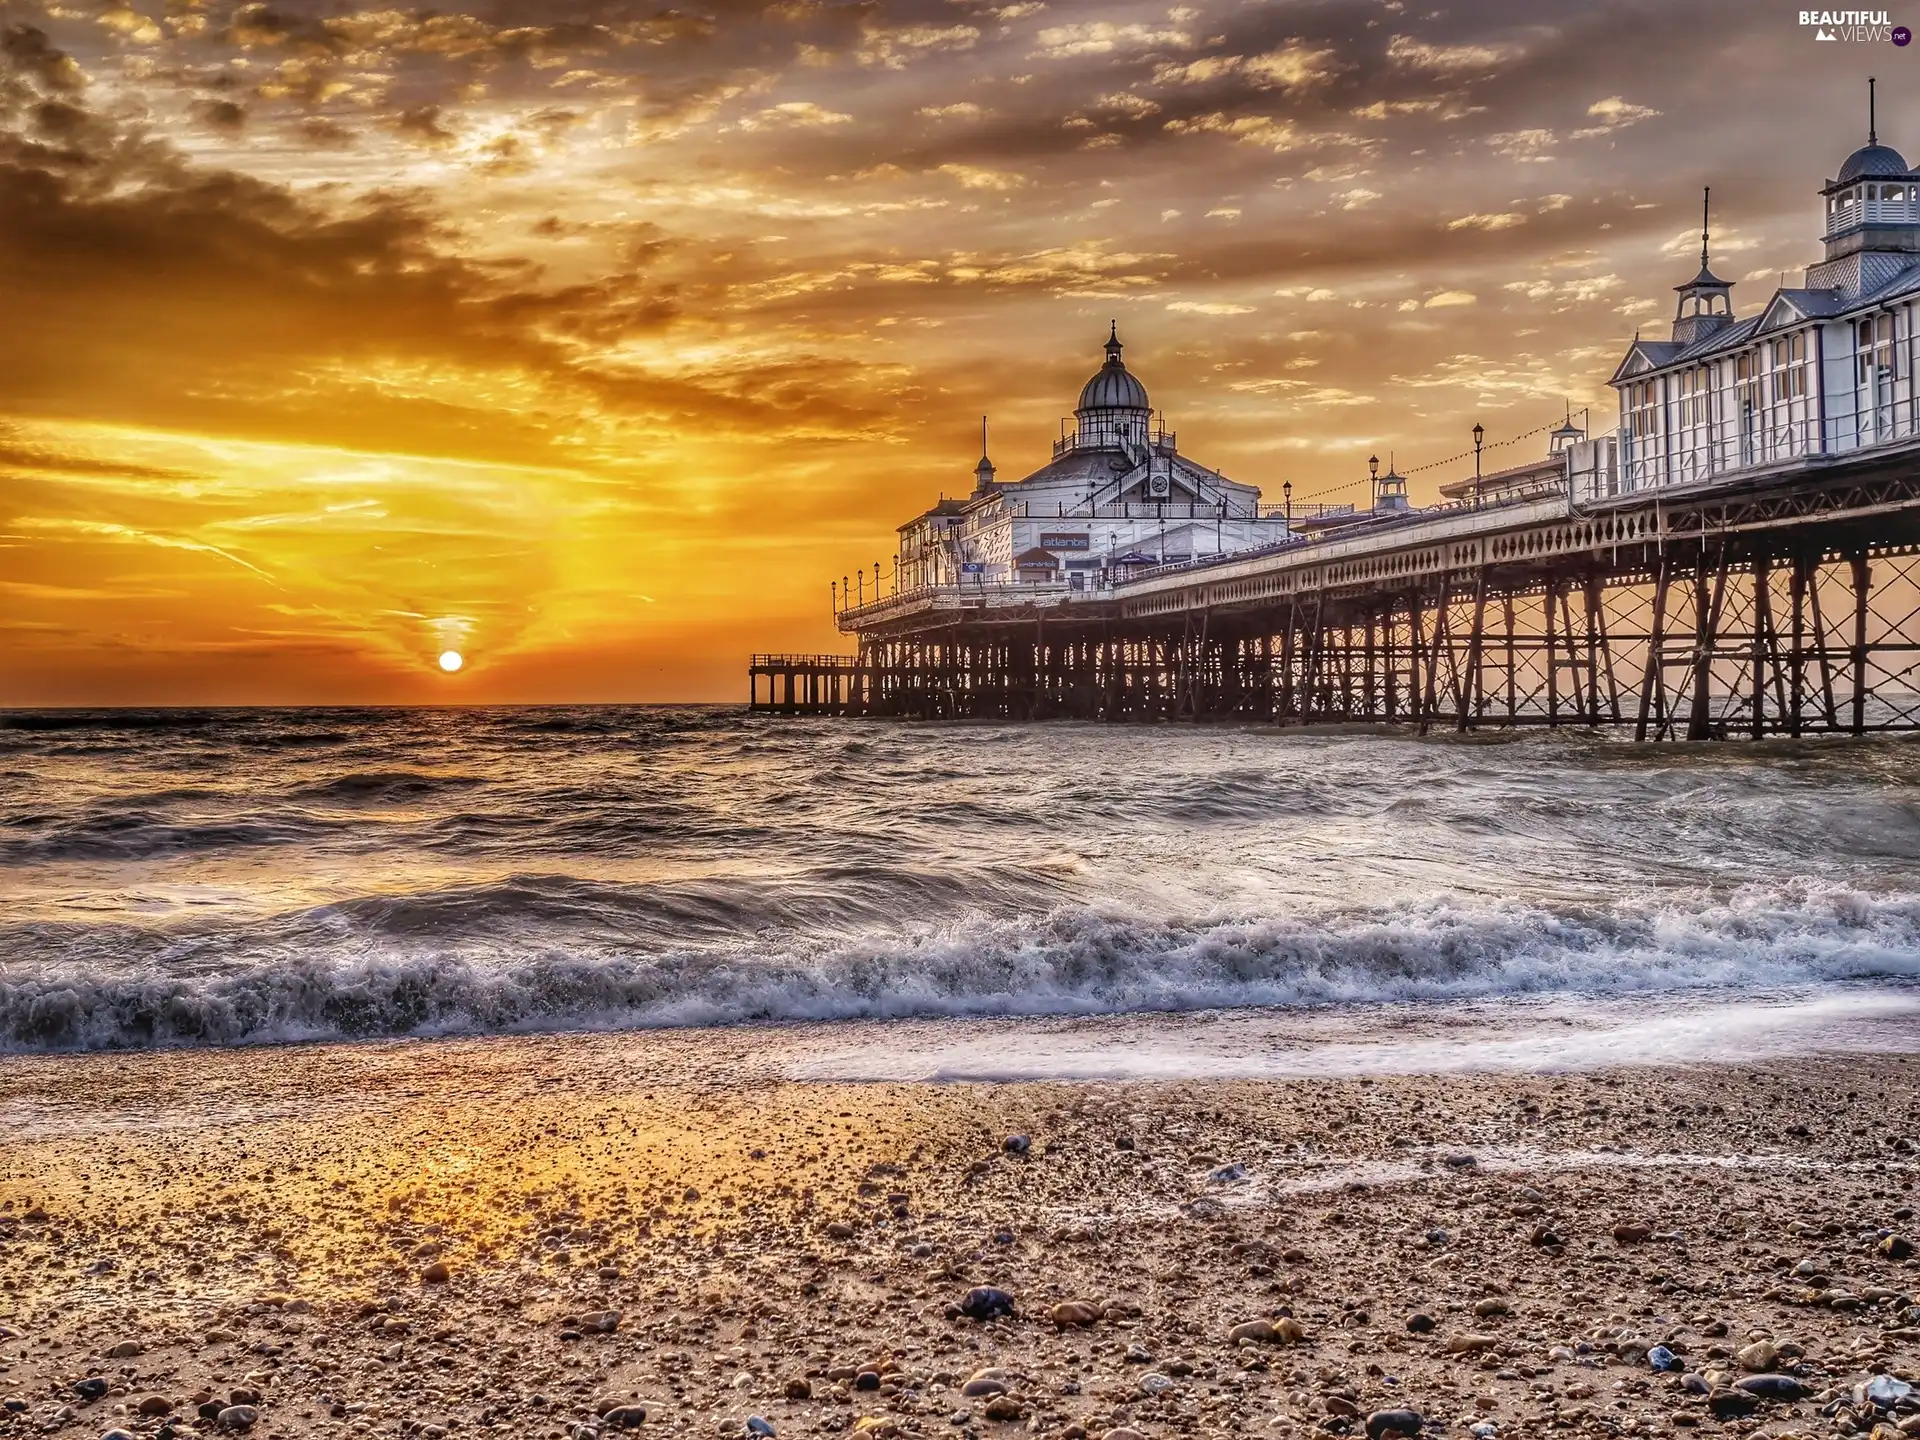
x,y
1073,960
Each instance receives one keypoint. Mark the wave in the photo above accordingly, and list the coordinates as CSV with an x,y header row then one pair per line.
x,y
1074,960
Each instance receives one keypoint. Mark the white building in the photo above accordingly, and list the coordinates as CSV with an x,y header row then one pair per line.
x,y
1822,369
1117,497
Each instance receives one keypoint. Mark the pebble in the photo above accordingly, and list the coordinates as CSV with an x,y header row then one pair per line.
x,y
438,1273
237,1417
1771,1387
1394,1422
799,1388
984,1302
125,1350
1896,1247
1727,1404
981,1385
117,1435
1758,1358
1470,1344
1420,1323
91,1388
1003,1407
601,1322
759,1425
1074,1312
1631,1233
625,1417
155,1405
1016,1144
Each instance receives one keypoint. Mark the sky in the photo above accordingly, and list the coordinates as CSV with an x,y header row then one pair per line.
x,y
593,340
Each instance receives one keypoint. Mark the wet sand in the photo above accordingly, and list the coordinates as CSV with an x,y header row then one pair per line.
x,y
551,1236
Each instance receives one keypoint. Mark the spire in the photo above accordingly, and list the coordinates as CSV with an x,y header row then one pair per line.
x,y
1706,209
1114,346
1873,131
983,472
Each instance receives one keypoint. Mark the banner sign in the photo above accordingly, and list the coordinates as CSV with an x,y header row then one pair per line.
x,y
973,567
1064,541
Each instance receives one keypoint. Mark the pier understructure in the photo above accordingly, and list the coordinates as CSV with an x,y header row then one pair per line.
x,y
1777,600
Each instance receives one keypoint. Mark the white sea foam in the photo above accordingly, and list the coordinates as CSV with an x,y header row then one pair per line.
x,y
1074,960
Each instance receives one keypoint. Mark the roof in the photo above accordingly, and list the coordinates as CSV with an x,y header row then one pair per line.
x,y
1113,386
1873,160
1514,477
1706,280
1036,558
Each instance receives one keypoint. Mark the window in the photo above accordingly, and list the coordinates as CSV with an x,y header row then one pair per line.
x,y
1790,367
1696,392
1643,409
1873,340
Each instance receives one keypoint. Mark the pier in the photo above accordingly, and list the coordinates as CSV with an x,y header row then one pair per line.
x,y
1740,556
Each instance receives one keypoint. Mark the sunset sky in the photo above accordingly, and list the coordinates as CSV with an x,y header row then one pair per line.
x,y
593,339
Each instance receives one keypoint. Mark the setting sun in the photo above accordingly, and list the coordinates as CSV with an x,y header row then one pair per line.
x,y
450,660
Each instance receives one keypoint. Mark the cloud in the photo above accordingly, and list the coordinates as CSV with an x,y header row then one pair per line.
x,y
795,113
1210,307
1406,53
1102,37
1449,299
1498,220
1613,114
975,177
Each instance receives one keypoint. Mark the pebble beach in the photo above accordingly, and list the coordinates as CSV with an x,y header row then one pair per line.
x,y
570,1236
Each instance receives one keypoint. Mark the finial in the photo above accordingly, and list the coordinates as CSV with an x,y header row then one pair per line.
x,y
1706,203
983,437
1113,342
1873,133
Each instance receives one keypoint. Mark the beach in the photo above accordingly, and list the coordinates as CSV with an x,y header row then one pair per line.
x,y
571,1235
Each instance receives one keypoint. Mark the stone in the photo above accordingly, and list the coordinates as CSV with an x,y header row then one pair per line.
x,y
1632,1233
984,1302
1470,1344
1074,1313
1758,1358
1730,1404
626,1417
1491,1306
1123,1432
759,1425
126,1350
1420,1323
868,1379
91,1388
601,1322
238,1417
438,1273
1771,1387
1394,1422
155,1405
1016,1144
1339,1405
1003,1407
1896,1247
983,1385
839,1230
1458,1160
799,1388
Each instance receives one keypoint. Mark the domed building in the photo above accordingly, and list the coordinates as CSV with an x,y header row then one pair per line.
x,y
1823,367
1116,498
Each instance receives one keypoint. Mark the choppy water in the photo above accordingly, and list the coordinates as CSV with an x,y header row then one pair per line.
x,y
227,877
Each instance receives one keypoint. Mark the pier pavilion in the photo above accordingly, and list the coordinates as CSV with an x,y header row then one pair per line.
x,y
1736,557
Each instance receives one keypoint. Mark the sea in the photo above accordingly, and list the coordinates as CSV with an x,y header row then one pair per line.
x,y
954,901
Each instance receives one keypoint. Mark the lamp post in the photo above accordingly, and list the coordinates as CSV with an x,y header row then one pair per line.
x,y
1286,493
1373,479
833,588
1479,434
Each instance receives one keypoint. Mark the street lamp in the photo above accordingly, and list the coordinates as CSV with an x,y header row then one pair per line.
x,y
1479,434
1286,493
1373,477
